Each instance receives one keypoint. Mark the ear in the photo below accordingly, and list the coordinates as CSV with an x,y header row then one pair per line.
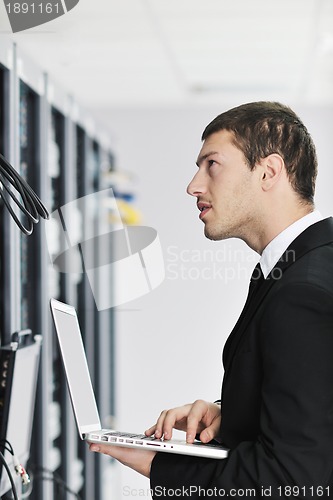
x,y
272,168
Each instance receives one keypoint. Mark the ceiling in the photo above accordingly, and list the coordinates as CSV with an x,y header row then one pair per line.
x,y
135,53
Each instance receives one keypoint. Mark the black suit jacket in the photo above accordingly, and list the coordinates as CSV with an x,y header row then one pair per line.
x,y
277,392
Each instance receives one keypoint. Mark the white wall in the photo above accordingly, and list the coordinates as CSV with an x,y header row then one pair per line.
x,y
169,343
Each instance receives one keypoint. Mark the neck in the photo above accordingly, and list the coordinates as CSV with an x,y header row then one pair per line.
x,y
274,224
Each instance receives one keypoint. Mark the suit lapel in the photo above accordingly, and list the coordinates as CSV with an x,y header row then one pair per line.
x,y
317,235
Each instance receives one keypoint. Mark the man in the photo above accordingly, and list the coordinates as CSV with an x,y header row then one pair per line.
x,y
255,181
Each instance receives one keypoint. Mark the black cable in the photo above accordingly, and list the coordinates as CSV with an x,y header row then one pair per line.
x,y
60,483
4,447
32,206
40,474
3,443
2,458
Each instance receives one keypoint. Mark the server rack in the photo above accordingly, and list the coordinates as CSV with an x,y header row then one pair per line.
x,y
32,275
4,216
86,308
60,285
30,248
104,348
63,160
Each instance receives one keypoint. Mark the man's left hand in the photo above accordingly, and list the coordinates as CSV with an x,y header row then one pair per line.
x,y
136,459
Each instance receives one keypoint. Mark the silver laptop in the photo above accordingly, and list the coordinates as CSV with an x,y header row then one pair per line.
x,y
83,398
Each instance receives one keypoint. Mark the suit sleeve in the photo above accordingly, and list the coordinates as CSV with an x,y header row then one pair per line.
x,y
294,447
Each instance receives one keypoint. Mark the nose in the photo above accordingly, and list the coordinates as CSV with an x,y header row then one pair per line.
x,y
197,185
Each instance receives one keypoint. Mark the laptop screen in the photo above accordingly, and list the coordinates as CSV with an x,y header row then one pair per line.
x,y
76,368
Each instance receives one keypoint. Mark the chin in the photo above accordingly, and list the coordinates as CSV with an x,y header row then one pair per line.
x,y
214,236
217,233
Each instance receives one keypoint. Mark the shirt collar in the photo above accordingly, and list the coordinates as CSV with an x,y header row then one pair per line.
x,y
281,242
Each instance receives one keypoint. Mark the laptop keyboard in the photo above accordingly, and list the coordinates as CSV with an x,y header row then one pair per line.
x,y
128,438
127,435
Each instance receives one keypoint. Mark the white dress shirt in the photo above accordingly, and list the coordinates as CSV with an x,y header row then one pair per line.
x,y
281,242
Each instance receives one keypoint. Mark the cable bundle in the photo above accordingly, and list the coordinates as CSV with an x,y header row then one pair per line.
x,y
5,445
36,473
32,206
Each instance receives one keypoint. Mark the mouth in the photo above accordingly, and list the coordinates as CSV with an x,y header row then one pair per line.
x,y
204,208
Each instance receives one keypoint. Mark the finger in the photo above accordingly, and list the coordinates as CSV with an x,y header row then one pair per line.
x,y
112,451
211,431
160,424
195,416
150,431
157,429
175,419
170,419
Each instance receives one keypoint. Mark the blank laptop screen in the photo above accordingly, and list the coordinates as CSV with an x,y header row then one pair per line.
x,y
76,369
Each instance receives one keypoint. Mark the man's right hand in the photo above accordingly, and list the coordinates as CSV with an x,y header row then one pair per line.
x,y
200,417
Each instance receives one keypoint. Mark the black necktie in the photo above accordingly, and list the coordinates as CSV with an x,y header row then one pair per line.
x,y
257,278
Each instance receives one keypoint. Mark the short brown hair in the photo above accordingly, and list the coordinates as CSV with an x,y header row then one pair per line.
x,y
262,128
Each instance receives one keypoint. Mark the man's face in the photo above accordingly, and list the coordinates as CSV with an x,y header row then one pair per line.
x,y
225,189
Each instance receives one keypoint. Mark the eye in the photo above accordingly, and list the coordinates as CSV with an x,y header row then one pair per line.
x,y
211,163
